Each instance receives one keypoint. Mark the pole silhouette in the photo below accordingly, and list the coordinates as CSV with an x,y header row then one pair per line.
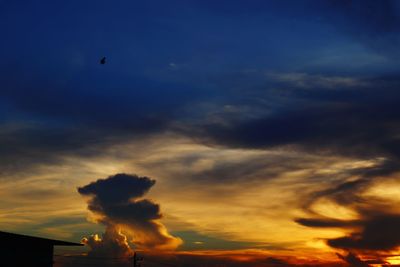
x,y
136,260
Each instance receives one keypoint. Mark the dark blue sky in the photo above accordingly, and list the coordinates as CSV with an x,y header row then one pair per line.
x,y
165,57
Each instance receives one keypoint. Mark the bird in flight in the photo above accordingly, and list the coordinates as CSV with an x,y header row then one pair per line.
x,y
103,61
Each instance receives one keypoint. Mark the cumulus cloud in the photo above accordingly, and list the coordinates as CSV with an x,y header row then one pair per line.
x,y
111,243
117,203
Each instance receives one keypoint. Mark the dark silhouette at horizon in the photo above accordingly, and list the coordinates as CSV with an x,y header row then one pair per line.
x,y
13,251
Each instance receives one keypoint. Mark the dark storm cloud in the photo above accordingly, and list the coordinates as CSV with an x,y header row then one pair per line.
x,y
355,122
379,233
373,235
117,203
124,187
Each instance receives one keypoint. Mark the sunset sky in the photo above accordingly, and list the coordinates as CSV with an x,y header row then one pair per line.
x,y
256,133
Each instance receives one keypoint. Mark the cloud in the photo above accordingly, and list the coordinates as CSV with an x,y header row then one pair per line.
x,y
117,203
76,98
317,81
353,260
45,115
370,233
329,223
378,233
354,122
111,243
347,190
374,231
79,103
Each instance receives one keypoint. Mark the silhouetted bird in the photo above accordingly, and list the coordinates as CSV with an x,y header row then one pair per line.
x,y
103,60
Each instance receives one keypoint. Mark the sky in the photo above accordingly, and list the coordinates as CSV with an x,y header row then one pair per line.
x,y
256,133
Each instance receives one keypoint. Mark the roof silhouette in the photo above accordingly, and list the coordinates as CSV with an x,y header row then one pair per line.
x,y
10,237
23,250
